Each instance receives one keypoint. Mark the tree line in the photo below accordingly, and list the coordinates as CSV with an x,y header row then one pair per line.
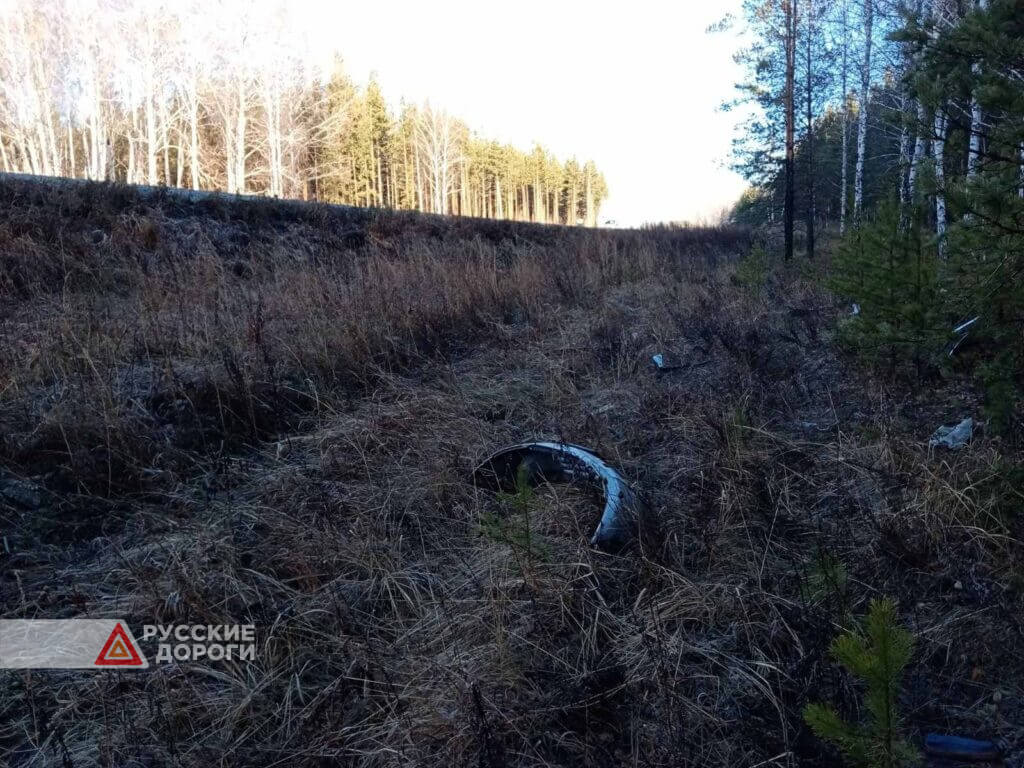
x,y
854,98
899,124
232,96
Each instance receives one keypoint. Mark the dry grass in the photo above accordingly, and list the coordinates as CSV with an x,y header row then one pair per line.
x,y
268,415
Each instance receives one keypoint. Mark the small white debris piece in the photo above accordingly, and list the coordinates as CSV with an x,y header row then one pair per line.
x,y
963,329
855,310
964,326
953,437
20,493
663,365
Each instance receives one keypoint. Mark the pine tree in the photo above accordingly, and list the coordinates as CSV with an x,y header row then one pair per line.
x,y
876,654
379,129
331,165
889,272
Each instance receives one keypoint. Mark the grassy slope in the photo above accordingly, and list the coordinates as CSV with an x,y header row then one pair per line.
x,y
215,412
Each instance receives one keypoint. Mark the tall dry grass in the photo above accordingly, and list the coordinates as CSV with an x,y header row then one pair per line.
x,y
138,332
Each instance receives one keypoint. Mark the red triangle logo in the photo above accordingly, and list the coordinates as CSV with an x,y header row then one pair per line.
x,y
119,651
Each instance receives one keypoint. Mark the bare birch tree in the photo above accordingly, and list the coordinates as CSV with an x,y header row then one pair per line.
x,y
436,137
789,8
977,126
862,113
231,95
845,154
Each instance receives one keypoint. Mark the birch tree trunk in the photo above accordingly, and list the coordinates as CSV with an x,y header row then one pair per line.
x,y
272,110
920,143
240,123
48,136
416,167
150,139
904,166
939,155
165,143
193,139
71,151
844,160
149,95
862,115
30,154
130,170
96,147
229,154
789,7
409,196
179,163
810,135
43,164
977,126
1020,189
3,155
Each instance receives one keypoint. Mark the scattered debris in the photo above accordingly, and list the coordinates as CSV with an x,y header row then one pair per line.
x,y
964,326
662,365
565,462
19,492
960,748
953,437
815,426
953,347
962,329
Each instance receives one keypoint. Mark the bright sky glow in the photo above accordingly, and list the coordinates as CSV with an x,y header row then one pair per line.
x,y
635,86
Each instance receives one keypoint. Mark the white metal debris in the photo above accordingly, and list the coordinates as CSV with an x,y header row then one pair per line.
x,y
565,462
953,437
662,364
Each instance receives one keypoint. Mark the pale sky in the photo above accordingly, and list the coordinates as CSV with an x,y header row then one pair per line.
x,y
634,86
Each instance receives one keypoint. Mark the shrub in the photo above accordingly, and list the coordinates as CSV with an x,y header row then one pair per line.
x,y
889,272
752,269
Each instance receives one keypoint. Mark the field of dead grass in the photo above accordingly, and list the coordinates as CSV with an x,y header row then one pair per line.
x,y
250,413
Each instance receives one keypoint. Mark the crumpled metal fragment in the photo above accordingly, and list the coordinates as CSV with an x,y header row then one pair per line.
x,y
953,437
566,462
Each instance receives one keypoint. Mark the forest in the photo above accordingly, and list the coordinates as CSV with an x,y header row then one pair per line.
x,y
230,97
899,128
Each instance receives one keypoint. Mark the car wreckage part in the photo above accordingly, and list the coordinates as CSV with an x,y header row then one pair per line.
x,y
565,462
